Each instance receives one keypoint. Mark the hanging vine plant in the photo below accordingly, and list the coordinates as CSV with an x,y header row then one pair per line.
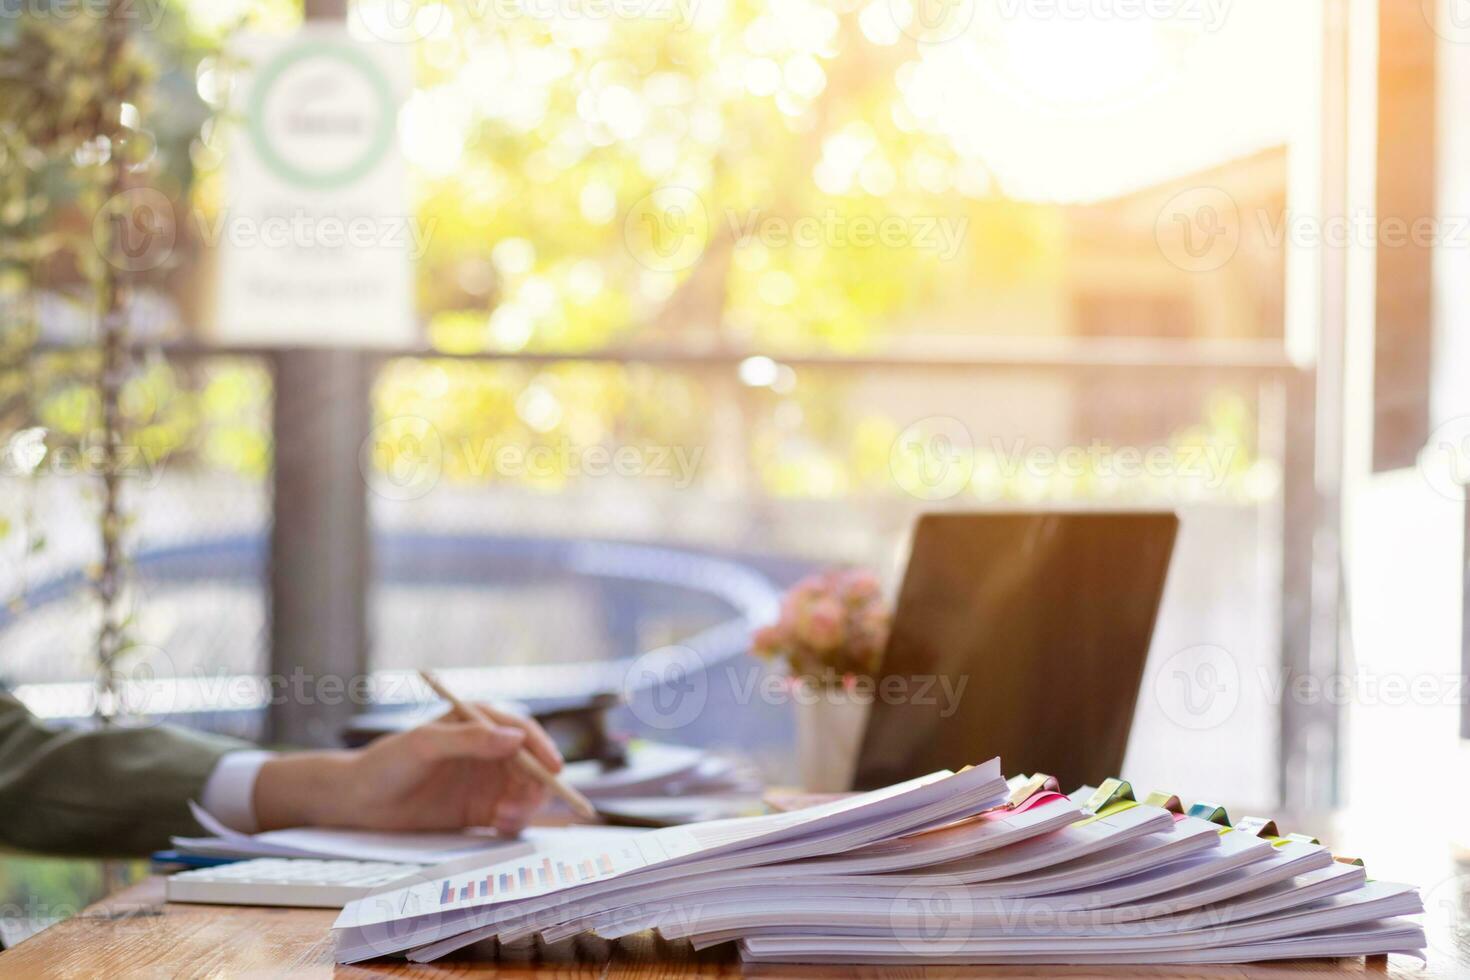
x,y
80,221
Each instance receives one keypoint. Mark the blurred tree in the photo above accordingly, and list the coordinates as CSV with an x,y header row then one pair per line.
x,y
733,172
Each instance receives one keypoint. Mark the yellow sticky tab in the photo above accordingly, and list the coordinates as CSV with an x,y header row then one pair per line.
x,y
1025,791
1164,801
1111,791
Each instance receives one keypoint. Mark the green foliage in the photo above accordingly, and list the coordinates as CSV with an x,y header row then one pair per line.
x,y
538,146
59,887
536,141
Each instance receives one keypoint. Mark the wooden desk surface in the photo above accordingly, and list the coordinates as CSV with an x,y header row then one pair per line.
x,y
136,934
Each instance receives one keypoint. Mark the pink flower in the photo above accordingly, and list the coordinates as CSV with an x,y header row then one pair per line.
x,y
822,627
768,641
832,623
873,621
811,586
860,586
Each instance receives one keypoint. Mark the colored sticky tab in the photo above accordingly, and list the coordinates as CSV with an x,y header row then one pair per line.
x,y
1302,839
1110,792
1355,862
1164,801
1039,783
1258,827
1213,812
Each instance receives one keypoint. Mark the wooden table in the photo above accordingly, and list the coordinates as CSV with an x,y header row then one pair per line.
x,y
137,934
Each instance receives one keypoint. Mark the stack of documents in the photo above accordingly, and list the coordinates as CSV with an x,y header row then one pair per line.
x,y
955,868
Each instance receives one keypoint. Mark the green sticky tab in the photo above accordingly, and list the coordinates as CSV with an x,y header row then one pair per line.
x,y
1213,812
1111,791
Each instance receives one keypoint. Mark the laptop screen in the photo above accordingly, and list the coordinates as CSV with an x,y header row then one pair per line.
x,y
1022,635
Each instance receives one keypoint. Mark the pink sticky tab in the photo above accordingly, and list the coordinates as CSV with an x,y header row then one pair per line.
x,y
1040,799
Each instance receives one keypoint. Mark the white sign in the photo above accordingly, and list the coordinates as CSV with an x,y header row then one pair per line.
x,y
316,239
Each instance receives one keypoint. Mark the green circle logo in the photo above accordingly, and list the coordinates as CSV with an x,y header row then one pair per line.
x,y
355,108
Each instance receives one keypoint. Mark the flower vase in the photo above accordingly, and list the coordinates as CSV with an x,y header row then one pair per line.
x,y
829,731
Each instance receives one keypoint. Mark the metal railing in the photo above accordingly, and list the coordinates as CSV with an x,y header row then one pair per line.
x,y
320,545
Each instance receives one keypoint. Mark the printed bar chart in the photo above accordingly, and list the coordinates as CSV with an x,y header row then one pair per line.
x,y
530,878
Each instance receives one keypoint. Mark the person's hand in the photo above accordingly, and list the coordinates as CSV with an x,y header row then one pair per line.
x,y
443,775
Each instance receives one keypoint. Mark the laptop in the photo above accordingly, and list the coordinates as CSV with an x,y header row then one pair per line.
x,y
1022,635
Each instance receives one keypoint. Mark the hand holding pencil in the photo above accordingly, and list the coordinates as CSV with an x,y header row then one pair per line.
x,y
460,770
486,715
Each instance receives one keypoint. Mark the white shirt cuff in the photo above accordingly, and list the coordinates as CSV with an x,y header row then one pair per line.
x,y
229,793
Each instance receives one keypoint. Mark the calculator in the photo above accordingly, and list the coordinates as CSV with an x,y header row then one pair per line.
x,y
293,882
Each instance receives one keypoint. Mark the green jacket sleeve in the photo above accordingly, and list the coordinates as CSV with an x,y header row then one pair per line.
x,y
109,791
